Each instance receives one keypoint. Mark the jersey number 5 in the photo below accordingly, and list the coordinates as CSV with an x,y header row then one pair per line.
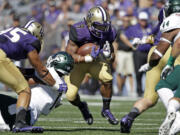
x,y
13,34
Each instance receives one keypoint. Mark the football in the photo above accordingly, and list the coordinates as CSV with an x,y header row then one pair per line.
x,y
86,49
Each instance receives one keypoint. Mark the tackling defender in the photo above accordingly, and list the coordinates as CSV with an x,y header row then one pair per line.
x,y
21,43
59,64
96,28
165,87
157,58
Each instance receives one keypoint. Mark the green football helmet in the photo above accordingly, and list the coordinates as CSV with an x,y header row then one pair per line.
x,y
172,6
62,62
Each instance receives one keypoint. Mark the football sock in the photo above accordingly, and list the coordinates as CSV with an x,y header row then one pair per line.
x,y
77,102
106,103
20,117
165,94
173,106
134,113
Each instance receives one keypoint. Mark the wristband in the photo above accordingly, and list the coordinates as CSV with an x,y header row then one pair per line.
x,y
88,58
158,53
171,60
55,86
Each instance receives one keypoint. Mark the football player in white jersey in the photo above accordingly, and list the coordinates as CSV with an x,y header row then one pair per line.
x,y
43,98
170,29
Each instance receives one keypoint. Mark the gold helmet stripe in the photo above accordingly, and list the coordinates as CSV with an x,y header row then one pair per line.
x,y
103,13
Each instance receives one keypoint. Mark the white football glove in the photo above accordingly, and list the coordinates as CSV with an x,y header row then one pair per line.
x,y
136,42
144,68
166,71
106,50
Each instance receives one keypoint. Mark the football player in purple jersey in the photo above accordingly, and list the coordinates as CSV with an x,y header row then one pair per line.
x,y
95,28
16,44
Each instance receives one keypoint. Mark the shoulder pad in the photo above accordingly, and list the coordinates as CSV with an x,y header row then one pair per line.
x,y
79,33
170,23
37,45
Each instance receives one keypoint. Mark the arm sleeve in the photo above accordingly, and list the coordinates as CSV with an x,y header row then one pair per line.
x,y
33,45
37,45
73,36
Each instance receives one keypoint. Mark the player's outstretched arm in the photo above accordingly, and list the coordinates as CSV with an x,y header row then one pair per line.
x,y
40,68
162,47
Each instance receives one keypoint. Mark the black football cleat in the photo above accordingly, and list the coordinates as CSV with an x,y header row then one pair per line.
x,y
126,124
22,127
109,116
86,114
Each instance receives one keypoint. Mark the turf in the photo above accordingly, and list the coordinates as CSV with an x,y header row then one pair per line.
x,y
67,120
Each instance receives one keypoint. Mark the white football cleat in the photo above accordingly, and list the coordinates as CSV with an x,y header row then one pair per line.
x,y
4,127
166,125
175,128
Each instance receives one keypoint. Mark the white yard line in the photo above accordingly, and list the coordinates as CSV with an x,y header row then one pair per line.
x,y
93,112
98,120
90,127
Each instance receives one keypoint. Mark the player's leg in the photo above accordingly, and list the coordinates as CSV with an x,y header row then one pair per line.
x,y
102,72
73,82
140,58
12,77
174,106
164,89
120,69
7,112
175,127
129,66
172,122
150,96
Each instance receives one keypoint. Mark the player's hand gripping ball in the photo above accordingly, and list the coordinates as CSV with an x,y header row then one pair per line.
x,y
87,49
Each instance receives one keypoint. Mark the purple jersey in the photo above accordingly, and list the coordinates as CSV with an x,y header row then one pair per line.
x,y
80,34
17,43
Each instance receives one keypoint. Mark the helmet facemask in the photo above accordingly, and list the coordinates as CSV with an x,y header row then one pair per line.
x,y
98,29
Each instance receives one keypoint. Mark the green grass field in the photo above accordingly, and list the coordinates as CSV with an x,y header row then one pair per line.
x,y
67,120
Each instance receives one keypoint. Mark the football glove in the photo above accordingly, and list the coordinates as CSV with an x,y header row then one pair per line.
x,y
60,87
136,42
94,52
144,68
166,71
106,51
93,55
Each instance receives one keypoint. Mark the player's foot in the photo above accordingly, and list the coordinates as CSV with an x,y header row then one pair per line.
x,y
175,128
86,114
28,129
126,123
21,127
109,116
166,125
